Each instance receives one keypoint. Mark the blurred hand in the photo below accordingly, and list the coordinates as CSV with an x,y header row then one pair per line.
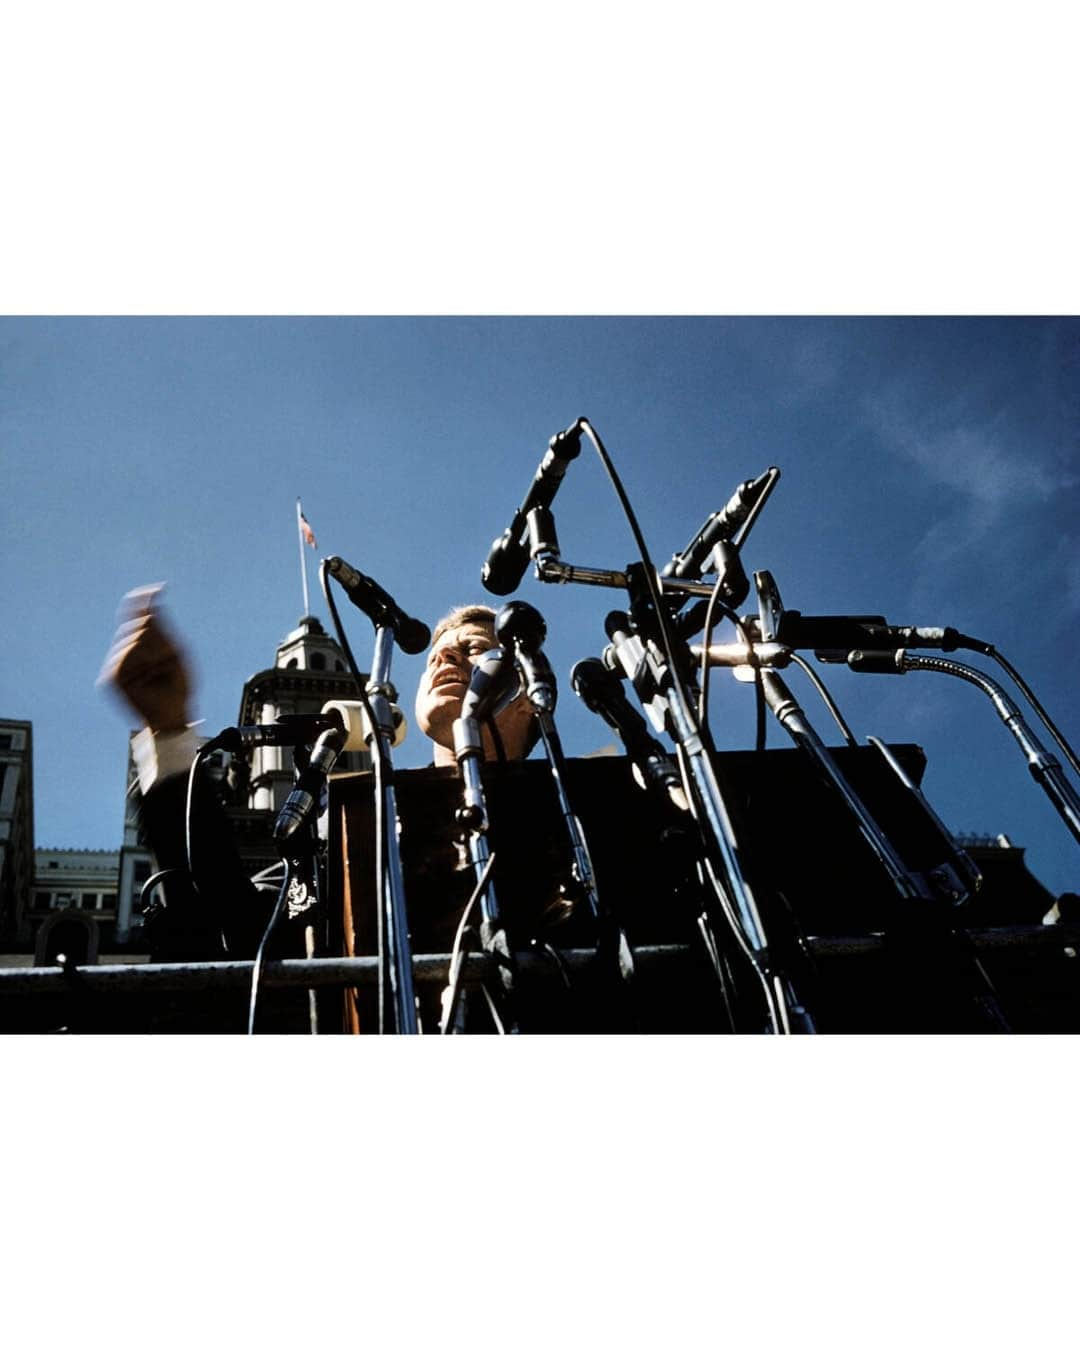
x,y
146,666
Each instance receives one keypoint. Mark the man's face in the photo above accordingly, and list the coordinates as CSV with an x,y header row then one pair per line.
x,y
444,684
445,680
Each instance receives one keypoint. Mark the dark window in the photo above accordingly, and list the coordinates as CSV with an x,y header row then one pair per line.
x,y
7,740
41,899
318,661
73,939
339,665
141,871
108,900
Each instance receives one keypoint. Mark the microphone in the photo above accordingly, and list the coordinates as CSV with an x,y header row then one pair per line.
x,y
303,728
492,685
892,662
868,632
289,729
602,692
307,789
721,527
626,652
411,635
522,627
508,556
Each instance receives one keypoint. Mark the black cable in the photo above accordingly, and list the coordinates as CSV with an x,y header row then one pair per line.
x,y
650,574
499,1026
454,969
188,812
268,873
380,770
759,691
826,697
557,958
643,551
256,970
706,638
152,881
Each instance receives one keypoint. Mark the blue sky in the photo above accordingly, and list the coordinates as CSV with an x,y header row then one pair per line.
x,y
930,473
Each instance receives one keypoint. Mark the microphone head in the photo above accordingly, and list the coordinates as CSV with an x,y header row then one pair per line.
x,y
566,445
493,684
505,566
518,622
590,680
618,621
412,635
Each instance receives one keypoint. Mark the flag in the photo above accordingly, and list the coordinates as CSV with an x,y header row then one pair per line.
x,y
308,532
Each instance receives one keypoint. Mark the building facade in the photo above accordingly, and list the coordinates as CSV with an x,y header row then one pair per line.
x,y
70,882
309,671
16,831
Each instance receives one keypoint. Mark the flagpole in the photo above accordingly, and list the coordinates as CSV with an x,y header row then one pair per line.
x,y
303,560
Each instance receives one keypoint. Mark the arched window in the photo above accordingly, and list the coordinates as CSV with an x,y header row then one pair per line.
x,y
317,661
73,933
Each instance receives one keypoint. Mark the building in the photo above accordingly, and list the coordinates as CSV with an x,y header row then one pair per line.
x,y
16,832
75,884
1009,893
309,671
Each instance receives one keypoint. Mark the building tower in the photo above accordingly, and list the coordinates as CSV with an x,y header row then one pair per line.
x,y
308,671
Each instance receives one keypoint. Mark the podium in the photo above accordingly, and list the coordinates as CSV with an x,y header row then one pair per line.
x,y
812,870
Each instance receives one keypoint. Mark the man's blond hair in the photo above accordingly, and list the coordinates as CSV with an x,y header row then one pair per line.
x,y
457,618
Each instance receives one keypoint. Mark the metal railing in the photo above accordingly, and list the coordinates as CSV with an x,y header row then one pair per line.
x,y
432,968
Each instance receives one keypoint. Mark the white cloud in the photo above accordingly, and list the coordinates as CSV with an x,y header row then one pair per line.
x,y
997,480
983,460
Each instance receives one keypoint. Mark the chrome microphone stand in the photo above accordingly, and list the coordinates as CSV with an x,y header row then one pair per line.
x,y
922,895
491,686
1044,767
378,697
382,698
521,628
660,689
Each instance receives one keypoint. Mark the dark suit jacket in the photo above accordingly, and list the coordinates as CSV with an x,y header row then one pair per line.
x,y
216,914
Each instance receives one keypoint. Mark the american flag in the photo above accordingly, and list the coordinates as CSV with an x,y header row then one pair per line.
x,y
308,532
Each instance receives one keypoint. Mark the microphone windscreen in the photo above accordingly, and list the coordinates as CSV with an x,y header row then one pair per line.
x,y
505,566
412,636
590,681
